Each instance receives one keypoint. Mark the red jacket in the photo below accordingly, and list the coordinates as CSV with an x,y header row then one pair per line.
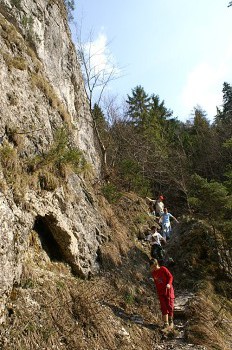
x,y
162,277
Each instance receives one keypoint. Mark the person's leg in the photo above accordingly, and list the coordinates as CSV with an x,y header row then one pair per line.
x,y
165,319
164,310
163,233
168,231
160,252
170,312
154,251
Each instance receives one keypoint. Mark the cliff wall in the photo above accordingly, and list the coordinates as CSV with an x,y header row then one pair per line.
x,y
42,96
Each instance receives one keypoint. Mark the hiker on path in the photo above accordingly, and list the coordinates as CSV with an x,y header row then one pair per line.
x,y
156,206
166,224
159,206
155,240
163,281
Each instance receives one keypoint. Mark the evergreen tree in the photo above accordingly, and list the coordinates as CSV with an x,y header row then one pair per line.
x,y
139,104
70,6
227,98
224,116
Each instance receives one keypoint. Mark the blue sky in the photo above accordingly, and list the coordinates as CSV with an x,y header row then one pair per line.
x,y
178,49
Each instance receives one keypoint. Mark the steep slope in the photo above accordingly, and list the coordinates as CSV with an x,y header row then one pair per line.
x,y
74,271
203,269
48,156
118,308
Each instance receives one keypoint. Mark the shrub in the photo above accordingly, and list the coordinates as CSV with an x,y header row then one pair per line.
x,y
16,3
129,299
209,198
51,166
111,193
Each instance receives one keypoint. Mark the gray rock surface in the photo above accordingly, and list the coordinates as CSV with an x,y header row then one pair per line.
x,y
41,90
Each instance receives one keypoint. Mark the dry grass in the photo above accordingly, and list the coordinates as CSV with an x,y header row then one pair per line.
x,y
39,173
53,309
12,168
13,39
15,62
210,316
39,81
10,35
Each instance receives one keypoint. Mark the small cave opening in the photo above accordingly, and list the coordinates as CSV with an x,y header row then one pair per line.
x,y
48,242
99,258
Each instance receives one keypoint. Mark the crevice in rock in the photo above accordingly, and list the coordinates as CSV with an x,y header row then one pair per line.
x,y
46,236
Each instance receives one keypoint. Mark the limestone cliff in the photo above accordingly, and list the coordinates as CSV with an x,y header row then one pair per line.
x,y
42,95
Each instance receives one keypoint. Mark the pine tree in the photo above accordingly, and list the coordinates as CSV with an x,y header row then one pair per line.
x,y
70,6
227,98
139,104
223,120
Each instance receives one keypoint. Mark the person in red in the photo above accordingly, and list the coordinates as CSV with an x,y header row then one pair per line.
x,y
163,281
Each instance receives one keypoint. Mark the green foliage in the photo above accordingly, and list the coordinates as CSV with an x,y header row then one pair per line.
x,y
129,298
70,6
101,124
61,153
139,104
27,22
31,35
132,178
16,3
223,120
29,283
228,143
111,193
45,171
141,218
228,181
60,285
209,198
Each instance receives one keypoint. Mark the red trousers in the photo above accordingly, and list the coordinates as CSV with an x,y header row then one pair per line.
x,y
166,305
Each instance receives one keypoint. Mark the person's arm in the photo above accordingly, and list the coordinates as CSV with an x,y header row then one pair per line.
x,y
162,238
148,238
173,217
169,278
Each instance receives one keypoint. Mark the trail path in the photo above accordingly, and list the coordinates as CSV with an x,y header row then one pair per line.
x,y
178,341
174,340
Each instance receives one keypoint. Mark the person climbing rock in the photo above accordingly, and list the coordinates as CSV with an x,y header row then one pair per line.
x,y
156,206
151,205
166,224
163,280
155,240
159,206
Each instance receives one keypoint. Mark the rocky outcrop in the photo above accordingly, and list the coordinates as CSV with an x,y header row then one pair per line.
x,y
41,91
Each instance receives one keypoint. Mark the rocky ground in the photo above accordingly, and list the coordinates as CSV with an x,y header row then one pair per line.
x,y
118,308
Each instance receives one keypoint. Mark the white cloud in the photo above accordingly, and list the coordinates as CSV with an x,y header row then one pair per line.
x,y
101,59
204,85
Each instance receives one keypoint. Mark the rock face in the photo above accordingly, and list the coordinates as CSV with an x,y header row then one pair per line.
x,y
41,91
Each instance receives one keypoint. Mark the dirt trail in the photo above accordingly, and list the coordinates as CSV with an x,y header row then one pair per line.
x,y
176,340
